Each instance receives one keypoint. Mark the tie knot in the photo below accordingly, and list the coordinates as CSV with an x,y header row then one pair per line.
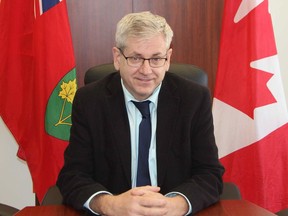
x,y
143,107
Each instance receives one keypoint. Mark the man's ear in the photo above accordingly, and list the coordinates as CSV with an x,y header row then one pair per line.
x,y
169,54
116,58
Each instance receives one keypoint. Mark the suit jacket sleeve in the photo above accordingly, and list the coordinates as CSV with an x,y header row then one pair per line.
x,y
187,156
98,155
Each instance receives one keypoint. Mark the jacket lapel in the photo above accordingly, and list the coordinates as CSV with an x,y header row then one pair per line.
x,y
120,125
168,108
167,112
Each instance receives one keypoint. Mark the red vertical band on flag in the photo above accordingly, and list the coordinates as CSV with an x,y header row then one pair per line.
x,y
35,59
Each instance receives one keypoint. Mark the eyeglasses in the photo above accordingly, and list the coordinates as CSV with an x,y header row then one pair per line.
x,y
136,61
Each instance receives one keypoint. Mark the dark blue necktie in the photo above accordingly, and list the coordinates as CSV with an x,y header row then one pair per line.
x,y
143,176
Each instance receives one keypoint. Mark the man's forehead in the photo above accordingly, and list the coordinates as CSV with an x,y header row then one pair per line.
x,y
157,53
143,46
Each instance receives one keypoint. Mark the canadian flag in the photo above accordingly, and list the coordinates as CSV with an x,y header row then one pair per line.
x,y
249,108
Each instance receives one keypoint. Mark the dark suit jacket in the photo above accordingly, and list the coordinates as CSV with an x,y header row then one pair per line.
x,y
98,157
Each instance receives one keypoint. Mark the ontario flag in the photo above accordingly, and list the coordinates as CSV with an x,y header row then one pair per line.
x,y
249,108
37,83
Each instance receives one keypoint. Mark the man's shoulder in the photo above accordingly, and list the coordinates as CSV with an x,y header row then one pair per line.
x,y
99,89
173,80
101,84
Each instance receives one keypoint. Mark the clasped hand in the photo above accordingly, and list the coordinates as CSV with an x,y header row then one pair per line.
x,y
139,201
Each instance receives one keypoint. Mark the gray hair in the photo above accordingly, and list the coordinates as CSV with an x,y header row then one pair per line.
x,y
142,25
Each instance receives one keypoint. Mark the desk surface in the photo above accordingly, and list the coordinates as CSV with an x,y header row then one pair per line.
x,y
234,208
222,208
49,210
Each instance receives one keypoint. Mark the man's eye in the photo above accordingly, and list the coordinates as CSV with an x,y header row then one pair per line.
x,y
156,59
136,59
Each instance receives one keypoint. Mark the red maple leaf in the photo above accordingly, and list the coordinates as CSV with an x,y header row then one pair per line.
x,y
248,40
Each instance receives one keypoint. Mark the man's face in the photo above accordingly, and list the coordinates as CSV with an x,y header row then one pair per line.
x,y
141,81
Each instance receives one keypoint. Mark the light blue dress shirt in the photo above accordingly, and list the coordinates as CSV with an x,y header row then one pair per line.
x,y
135,119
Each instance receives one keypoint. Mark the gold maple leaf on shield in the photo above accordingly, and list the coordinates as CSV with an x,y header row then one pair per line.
x,y
67,93
68,90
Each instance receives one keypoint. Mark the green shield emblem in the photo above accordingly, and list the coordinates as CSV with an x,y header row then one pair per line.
x,y
59,107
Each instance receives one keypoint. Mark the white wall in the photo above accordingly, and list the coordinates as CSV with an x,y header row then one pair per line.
x,y
278,10
15,181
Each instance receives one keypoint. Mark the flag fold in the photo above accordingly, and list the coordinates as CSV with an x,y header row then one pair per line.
x,y
38,83
249,107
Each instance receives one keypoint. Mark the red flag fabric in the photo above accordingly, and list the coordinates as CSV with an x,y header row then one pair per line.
x,y
37,83
249,107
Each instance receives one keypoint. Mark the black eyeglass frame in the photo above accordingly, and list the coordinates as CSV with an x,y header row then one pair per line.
x,y
143,60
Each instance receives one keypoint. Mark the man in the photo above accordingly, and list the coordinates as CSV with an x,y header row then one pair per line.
x,y
101,170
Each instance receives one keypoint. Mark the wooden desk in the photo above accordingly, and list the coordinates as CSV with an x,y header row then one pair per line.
x,y
222,208
234,208
49,210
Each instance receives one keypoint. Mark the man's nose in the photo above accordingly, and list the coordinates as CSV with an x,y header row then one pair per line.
x,y
145,68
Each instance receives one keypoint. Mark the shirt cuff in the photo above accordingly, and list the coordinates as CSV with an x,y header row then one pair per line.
x,y
173,194
86,204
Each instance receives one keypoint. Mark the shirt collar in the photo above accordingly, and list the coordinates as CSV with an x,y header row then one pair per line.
x,y
129,97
